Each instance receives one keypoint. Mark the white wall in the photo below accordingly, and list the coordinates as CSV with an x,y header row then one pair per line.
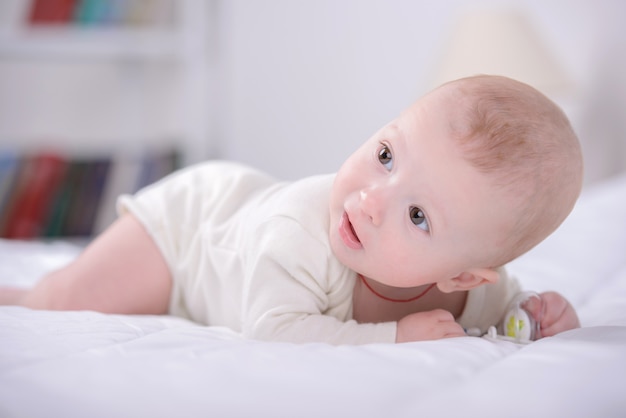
x,y
299,84
82,98
305,82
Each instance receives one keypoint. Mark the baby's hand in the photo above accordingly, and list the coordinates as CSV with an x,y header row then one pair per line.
x,y
431,325
554,313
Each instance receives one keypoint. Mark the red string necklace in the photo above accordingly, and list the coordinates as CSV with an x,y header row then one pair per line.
x,y
414,298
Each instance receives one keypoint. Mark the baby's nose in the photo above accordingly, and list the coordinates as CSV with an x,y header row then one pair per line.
x,y
373,202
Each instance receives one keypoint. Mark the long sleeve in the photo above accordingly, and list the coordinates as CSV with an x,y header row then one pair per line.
x,y
296,291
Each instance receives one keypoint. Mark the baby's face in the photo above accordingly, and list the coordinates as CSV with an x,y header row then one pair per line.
x,y
406,209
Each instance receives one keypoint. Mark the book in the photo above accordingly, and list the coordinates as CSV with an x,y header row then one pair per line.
x,y
49,195
92,12
39,177
63,200
86,199
10,163
155,165
114,12
52,12
122,179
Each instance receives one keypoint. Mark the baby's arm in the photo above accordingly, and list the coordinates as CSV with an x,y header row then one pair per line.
x,y
430,325
122,271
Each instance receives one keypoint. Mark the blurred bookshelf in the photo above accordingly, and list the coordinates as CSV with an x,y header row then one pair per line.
x,y
95,29
66,187
47,194
82,43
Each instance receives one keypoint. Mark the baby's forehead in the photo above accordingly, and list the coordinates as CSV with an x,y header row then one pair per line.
x,y
449,102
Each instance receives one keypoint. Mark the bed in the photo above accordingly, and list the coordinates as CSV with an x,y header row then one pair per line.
x,y
87,364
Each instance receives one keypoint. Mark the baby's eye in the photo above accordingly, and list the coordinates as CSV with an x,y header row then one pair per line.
x,y
418,218
385,157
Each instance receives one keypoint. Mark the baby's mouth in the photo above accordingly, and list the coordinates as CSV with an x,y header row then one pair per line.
x,y
348,234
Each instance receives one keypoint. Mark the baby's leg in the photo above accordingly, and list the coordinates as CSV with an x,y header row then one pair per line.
x,y
11,295
122,271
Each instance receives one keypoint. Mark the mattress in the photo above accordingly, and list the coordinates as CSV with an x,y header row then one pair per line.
x,y
88,364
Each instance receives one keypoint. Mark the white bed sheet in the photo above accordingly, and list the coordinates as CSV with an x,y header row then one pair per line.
x,y
87,364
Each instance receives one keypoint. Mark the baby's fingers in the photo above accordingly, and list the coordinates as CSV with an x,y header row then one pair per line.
x,y
559,315
448,327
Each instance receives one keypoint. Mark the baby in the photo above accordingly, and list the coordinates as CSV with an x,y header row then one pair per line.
x,y
406,242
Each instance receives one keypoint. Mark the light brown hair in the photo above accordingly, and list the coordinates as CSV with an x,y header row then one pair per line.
x,y
525,143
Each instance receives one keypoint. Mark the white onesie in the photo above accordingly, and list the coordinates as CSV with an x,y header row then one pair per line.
x,y
251,253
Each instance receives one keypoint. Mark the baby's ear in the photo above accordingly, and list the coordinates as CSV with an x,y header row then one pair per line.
x,y
469,280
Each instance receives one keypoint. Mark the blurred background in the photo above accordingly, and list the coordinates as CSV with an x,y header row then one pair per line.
x,y
289,86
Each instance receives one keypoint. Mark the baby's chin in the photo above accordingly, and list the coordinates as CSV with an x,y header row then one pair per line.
x,y
342,253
